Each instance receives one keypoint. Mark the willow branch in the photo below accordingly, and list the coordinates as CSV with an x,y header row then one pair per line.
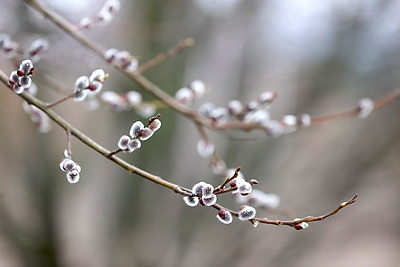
x,y
151,177
92,144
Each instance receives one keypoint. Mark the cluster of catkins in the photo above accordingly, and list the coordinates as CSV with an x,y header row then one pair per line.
x,y
124,101
187,95
89,86
137,133
256,112
103,17
71,168
206,195
34,52
20,81
122,59
256,198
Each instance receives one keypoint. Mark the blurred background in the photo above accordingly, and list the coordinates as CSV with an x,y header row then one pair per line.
x,y
320,56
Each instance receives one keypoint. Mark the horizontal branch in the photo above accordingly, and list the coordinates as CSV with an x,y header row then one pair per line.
x,y
192,114
151,177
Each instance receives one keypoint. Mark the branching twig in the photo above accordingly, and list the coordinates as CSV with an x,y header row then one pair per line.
x,y
65,98
71,30
151,177
292,223
91,143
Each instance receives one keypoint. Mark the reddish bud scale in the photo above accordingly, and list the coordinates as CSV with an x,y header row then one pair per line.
x,y
8,49
20,73
201,201
254,181
34,52
92,87
298,227
222,214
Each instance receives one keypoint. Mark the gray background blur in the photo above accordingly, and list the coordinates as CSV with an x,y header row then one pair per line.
x,y
320,56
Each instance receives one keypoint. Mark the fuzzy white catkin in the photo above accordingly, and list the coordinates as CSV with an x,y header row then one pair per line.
x,y
365,106
205,148
136,129
198,87
247,213
184,95
225,216
191,201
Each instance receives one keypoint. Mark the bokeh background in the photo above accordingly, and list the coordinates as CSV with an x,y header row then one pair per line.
x,y
320,56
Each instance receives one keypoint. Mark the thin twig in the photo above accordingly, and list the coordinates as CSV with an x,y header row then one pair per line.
x,y
378,103
227,180
292,223
52,104
178,48
69,143
116,151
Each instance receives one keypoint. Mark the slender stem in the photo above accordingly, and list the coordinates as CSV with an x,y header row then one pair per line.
x,y
378,103
59,101
179,47
202,132
292,223
112,153
69,148
228,179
